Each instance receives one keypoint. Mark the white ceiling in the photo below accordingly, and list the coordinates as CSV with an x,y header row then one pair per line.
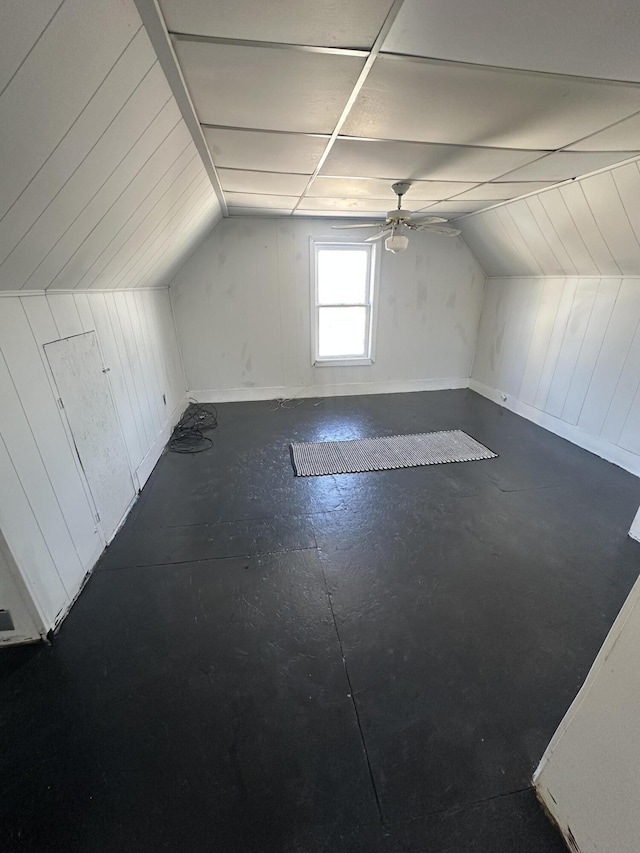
x,y
317,106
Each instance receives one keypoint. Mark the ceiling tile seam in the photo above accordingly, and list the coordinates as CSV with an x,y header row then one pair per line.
x,y
348,137
31,49
269,45
364,73
98,190
72,125
554,186
597,224
115,236
124,190
157,31
433,60
567,148
236,128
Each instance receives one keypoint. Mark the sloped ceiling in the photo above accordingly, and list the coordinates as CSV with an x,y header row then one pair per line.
x,y
314,107
101,185
588,227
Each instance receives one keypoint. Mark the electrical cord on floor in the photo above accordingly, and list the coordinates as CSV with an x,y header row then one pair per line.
x,y
188,434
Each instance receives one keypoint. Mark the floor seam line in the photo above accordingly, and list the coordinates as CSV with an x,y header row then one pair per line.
x,y
353,701
459,807
204,559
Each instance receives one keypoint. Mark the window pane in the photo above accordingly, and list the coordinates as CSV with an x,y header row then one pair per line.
x,y
342,275
342,332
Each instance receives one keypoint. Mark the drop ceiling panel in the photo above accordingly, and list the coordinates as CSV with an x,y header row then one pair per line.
x,y
379,188
364,205
563,165
267,88
573,37
457,208
411,160
270,152
263,201
331,23
470,105
621,137
271,183
501,191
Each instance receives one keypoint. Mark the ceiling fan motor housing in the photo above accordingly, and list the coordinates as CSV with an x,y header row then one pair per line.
x,y
399,216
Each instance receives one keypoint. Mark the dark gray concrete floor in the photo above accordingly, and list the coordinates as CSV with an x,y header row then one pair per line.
x,y
367,663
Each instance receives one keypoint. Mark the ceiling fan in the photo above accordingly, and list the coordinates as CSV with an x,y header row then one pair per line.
x,y
400,220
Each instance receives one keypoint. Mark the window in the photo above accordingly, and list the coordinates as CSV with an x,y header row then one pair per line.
x,y
343,303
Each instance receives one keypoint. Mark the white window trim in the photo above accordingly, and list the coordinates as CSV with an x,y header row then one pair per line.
x,y
337,241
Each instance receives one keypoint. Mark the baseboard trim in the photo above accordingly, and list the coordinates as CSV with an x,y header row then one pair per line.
x,y
593,443
349,389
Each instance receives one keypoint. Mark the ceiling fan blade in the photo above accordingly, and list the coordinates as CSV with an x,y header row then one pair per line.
x,y
380,234
440,229
427,220
359,225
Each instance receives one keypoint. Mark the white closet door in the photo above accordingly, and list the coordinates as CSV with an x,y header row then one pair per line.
x,y
84,390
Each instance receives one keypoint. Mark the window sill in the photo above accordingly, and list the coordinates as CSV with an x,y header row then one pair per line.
x,y
342,362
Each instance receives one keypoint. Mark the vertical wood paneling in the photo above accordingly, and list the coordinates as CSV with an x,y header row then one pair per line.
x,y
580,344
588,227
46,509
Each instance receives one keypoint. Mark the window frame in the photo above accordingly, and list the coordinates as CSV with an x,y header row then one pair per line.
x,y
345,244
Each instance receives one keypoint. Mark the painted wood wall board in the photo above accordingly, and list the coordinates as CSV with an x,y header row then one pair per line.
x,y
118,276
134,232
76,363
593,223
22,25
579,341
97,183
166,253
35,480
21,345
101,31
76,145
76,258
28,544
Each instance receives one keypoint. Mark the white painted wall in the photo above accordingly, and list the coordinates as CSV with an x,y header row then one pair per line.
x,y
242,306
15,598
46,510
635,527
566,353
589,227
101,185
588,777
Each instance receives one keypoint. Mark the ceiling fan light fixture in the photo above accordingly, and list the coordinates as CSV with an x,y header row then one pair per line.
x,y
396,243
